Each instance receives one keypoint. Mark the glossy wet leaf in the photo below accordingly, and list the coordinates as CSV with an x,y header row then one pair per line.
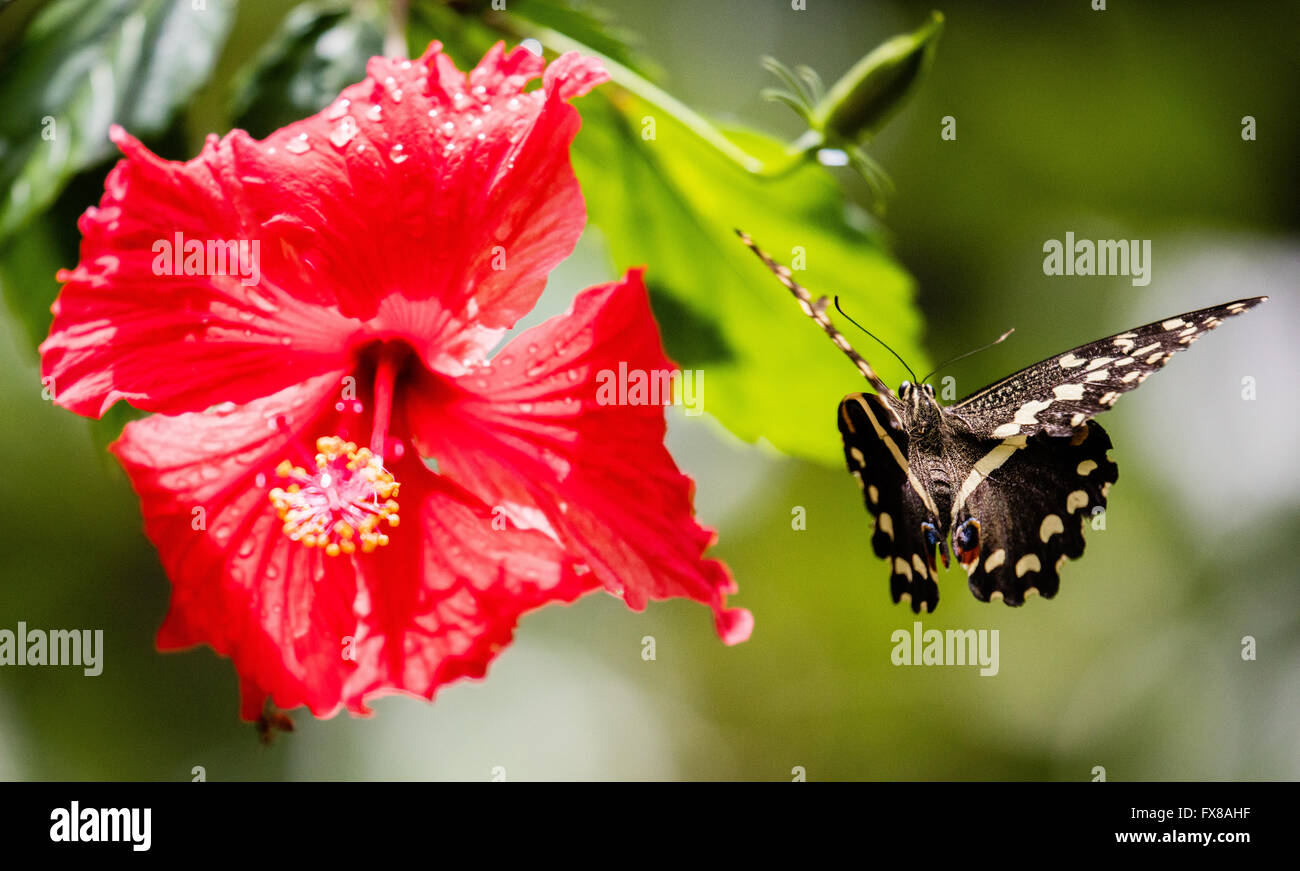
x,y
82,65
671,202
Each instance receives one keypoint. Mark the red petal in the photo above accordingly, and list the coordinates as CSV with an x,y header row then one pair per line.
x,y
421,204
437,603
527,434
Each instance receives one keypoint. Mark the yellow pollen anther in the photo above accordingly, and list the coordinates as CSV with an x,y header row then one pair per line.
x,y
340,504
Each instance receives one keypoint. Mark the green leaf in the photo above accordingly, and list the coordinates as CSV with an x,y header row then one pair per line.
x,y
320,49
82,65
663,197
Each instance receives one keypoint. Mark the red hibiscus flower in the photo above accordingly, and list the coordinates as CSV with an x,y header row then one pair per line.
x,y
350,496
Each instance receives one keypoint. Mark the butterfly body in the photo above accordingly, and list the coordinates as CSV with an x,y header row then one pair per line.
x,y
1011,474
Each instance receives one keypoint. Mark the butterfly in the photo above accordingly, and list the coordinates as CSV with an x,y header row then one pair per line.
x,y
1012,473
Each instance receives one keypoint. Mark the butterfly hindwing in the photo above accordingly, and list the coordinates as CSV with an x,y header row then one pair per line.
x,y
1059,394
1024,518
875,450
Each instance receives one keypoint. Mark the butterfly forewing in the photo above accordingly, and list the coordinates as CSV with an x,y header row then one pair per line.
x,y
1060,393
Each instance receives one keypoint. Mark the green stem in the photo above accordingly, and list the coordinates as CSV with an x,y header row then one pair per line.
x,y
637,85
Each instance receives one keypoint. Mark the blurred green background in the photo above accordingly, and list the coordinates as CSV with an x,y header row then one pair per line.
x,y
1117,124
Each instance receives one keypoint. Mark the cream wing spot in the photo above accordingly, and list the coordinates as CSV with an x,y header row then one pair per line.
x,y
1145,350
1051,525
902,568
886,524
1099,375
857,456
1028,413
1028,563
1069,361
997,558
1099,362
1085,468
873,494
1173,323
1076,500
919,565
1068,391
1007,429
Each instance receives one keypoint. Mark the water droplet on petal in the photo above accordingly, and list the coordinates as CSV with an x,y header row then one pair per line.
x,y
245,315
526,407
337,110
513,104
448,127
299,145
479,90
397,154
286,341
246,547
344,132
260,480
433,113
374,112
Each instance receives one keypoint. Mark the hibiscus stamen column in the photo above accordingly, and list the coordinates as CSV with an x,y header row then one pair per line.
x,y
385,379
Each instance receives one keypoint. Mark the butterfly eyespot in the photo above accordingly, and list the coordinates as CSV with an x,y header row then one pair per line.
x,y
967,536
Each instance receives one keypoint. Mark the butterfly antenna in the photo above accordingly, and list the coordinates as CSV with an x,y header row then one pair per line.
x,y
998,340
877,338
816,309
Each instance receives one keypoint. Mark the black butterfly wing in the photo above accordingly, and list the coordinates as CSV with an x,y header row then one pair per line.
x,y
1027,500
875,449
1059,394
